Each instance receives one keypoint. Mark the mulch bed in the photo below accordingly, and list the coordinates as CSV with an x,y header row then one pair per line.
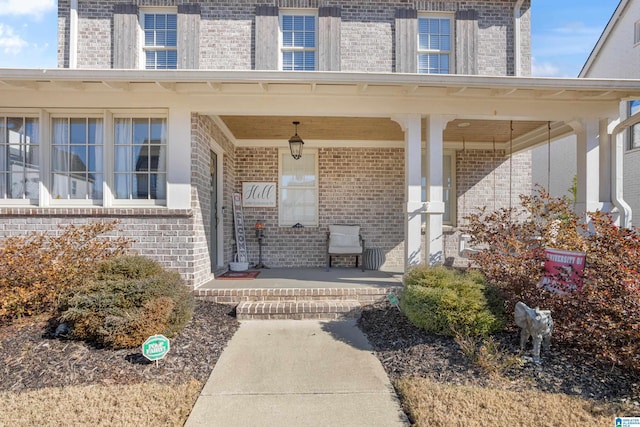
x,y
31,359
405,350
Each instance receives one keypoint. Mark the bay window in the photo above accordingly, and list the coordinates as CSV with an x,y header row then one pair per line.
x,y
76,158
19,158
140,169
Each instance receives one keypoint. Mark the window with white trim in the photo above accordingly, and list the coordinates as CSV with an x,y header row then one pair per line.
x,y
636,33
19,158
298,193
76,158
298,46
160,39
435,44
140,159
634,131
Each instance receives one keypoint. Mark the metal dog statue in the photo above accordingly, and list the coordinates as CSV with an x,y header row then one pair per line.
x,y
534,323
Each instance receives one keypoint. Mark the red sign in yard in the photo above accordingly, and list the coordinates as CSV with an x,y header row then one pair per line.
x,y
563,271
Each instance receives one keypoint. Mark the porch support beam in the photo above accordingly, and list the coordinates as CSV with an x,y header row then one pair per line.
x,y
591,134
411,124
179,168
434,130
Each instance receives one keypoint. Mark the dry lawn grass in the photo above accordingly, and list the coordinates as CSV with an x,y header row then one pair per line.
x,y
433,404
146,404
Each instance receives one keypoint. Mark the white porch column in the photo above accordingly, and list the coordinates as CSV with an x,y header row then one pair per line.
x,y
179,167
589,172
435,205
606,165
411,125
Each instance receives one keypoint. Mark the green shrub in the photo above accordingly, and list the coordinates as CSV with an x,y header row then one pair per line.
x,y
440,300
35,269
129,299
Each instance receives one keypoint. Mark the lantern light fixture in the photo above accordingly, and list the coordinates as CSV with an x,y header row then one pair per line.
x,y
296,143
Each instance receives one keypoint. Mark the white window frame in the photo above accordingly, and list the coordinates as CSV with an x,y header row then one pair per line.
x,y
142,52
41,160
112,169
53,201
451,52
632,143
282,48
307,152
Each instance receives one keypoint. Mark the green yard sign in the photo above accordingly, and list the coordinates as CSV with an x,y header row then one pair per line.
x,y
393,299
156,347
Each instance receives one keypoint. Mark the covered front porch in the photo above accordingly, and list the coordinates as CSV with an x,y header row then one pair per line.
x,y
375,144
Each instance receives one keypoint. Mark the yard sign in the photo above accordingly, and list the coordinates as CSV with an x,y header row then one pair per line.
x,y
156,347
563,271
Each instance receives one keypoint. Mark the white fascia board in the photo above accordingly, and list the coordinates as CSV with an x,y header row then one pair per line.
x,y
261,78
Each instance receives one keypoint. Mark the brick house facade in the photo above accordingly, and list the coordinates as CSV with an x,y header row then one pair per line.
x,y
404,154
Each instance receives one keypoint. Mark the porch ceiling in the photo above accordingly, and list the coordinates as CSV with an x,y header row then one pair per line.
x,y
269,128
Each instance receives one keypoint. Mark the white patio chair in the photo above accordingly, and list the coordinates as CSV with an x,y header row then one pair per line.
x,y
344,240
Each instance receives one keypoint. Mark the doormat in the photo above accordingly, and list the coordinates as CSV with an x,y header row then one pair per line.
x,y
239,275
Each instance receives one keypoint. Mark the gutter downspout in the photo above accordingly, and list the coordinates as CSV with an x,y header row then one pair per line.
x,y
617,179
517,54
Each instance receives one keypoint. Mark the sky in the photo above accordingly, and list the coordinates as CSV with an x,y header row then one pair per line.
x,y
562,36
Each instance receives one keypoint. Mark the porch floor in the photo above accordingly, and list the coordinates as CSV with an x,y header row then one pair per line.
x,y
312,278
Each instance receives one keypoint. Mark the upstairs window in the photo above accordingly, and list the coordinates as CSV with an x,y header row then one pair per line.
x,y
636,33
298,43
160,40
19,158
435,45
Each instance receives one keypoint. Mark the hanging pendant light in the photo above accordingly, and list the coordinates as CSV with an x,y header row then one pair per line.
x,y
296,143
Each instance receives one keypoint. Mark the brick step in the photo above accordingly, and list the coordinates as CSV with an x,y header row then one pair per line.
x,y
366,295
298,310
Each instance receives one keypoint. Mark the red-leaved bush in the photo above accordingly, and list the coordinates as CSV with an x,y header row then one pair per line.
x,y
36,268
602,319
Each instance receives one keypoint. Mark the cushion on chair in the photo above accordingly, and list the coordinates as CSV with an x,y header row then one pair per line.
x,y
344,239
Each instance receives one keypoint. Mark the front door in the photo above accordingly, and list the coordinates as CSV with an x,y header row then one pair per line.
x,y
213,235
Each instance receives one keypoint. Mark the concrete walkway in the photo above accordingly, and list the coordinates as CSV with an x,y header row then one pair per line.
x,y
298,373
